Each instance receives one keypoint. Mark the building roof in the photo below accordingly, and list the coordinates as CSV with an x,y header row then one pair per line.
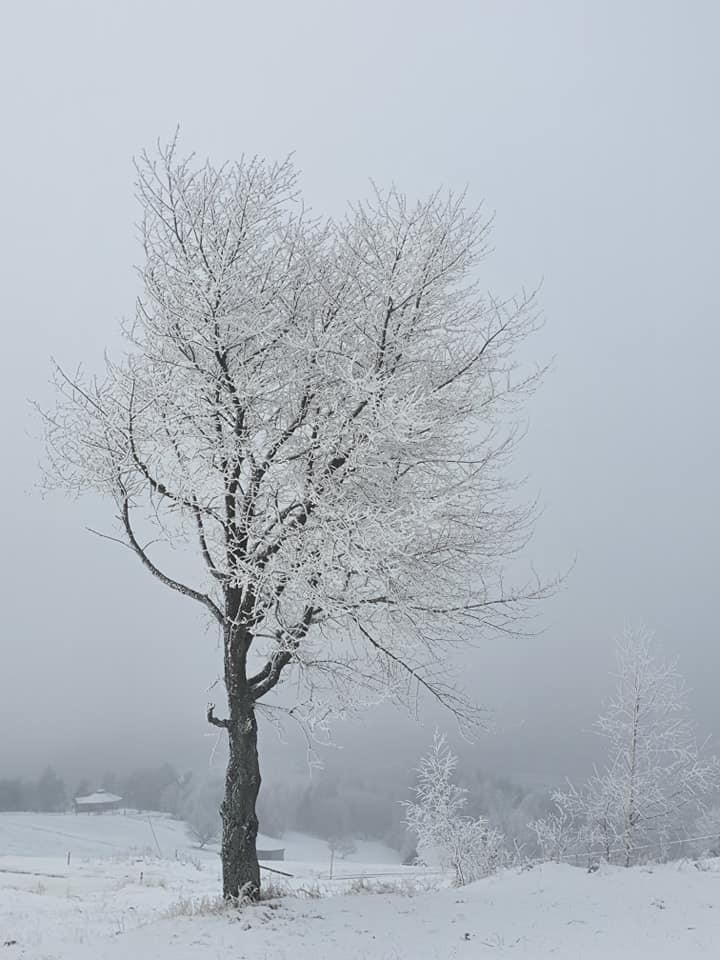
x,y
100,797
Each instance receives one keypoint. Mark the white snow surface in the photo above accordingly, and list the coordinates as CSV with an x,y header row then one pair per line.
x,y
117,900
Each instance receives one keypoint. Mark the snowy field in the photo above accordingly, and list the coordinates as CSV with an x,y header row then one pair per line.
x,y
136,888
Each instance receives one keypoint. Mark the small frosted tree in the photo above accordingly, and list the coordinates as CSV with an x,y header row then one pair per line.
x,y
321,413
657,777
341,846
444,833
560,833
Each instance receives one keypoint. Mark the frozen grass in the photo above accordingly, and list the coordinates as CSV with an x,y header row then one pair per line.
x,y
403,888
205,906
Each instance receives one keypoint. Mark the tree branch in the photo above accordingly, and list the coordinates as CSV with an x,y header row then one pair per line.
x,y
168,581
209,562
269,676
215,721
447,698
155,485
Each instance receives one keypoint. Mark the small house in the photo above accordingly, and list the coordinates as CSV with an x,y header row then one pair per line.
x,y
99,802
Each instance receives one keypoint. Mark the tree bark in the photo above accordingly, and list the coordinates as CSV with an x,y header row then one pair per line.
x,y
241,871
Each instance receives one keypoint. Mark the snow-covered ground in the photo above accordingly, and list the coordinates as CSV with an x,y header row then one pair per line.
x,y
118,898
131,834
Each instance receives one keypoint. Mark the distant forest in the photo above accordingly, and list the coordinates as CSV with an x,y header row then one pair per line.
x,y
332,804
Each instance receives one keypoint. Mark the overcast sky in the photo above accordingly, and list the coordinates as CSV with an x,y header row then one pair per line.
x,y
590,128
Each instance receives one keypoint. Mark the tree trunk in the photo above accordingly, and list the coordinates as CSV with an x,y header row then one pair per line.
x,y
241,872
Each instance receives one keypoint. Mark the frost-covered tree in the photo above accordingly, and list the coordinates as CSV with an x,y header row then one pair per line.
x,y
436,817
200,809
342,846
657,777
322,412
559,834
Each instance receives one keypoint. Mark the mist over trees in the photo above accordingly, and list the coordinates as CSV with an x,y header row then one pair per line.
x,y
342,803
47,794
148,788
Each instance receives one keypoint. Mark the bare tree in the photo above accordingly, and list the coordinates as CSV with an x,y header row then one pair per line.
x,y
324,411
657,778
200,809
342,846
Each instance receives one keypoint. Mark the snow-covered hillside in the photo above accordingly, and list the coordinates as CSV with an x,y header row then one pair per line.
x,y
110,904
154,834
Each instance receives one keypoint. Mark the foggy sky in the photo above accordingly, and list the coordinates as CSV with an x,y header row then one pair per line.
x,y
589,128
